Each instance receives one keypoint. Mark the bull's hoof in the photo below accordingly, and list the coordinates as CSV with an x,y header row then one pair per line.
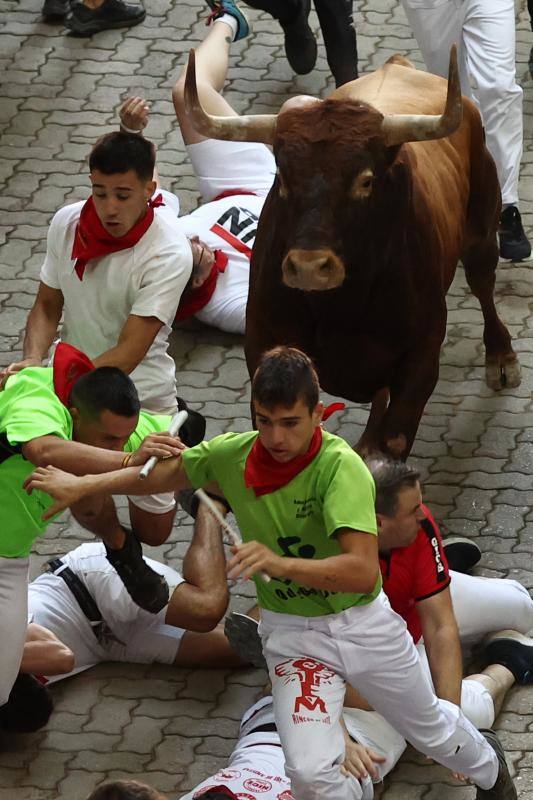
x,y
502,372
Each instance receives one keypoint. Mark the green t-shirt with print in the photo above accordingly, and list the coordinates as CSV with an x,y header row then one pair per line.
x,y
300,519
30,408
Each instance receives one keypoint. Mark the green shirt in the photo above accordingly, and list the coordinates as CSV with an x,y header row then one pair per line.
x,y
334,491
30,408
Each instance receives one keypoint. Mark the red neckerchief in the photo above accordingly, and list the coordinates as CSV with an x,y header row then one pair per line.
x,y
264,474
69,365
220,790
91,239
231,193
196,299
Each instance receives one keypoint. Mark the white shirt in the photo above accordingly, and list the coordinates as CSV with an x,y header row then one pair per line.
x,y
146,280
230,225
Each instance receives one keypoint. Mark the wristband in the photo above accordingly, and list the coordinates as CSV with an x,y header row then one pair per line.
x,y
129,130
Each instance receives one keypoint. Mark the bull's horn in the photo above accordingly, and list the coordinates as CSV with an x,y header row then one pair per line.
x,y
400,128
245,128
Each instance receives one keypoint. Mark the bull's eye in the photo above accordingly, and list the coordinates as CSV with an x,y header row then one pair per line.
x,y
361,187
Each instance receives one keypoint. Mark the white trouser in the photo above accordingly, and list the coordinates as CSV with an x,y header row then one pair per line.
x,y
484,31
13,620
311,658
488,605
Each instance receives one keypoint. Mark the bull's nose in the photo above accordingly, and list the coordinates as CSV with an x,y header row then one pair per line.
x,y
312,270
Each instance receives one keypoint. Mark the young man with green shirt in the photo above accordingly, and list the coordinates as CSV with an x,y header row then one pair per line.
x,y
103,418
305,506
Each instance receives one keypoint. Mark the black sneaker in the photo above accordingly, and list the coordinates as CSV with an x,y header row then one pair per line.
x,y
84,21
242,634
514,244
54,10
530,63
504,788
300,42
461,553
512,650
147,588
193,429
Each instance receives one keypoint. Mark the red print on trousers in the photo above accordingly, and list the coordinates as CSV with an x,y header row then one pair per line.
x,y
311,675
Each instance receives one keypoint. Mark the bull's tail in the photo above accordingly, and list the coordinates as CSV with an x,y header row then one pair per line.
x,y
401,60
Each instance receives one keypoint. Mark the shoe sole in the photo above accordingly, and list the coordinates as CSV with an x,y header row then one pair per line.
x,y
90,28
509,635
509,792
242,634
471,553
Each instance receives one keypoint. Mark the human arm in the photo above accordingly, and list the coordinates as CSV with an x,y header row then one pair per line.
x,y
359,760
81,459
134,116
41,329
134,341
45,654
356,569
66,489
443,648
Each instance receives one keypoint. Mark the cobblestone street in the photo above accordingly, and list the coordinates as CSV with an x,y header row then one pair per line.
x,y
173,727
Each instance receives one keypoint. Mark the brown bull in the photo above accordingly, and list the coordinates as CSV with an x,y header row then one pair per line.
x,y
379,193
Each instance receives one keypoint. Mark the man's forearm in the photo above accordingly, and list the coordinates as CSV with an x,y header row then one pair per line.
x,y
74,457
342,573
41,330
444,655
167,476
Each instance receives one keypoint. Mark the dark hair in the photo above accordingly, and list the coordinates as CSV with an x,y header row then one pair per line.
x,y
390,478
125,790
105,389
28,708
119,152
284,376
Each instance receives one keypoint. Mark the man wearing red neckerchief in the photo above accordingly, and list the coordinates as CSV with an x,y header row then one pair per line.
x,y
115,269
304,502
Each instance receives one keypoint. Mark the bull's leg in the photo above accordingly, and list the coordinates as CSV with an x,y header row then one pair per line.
x,y
370,439
410,390
502,368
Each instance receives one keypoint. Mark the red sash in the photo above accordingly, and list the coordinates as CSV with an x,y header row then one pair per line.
x,y
69,365
220,790
91,239
196,299
264,474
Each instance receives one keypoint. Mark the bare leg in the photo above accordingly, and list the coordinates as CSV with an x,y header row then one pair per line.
x,y
212,60
207,650
497,680
200,602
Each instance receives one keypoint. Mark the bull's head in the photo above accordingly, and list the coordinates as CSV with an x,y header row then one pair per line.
x,y
333,157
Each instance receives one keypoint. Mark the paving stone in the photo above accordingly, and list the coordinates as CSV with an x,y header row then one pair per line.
x,y
157,723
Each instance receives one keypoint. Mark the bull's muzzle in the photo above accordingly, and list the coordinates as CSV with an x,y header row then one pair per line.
x,y
312,270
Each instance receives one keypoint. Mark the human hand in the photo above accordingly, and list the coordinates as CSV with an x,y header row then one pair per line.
x,y
359,761
160,445
16,366
134,113
66,489
254,557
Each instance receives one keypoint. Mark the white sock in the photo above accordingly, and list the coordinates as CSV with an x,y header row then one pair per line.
x,y
230,21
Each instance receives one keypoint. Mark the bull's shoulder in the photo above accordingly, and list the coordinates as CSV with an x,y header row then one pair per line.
x,y
397,88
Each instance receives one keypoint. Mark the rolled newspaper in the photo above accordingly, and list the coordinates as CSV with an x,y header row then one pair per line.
x,y
232,533
177,421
